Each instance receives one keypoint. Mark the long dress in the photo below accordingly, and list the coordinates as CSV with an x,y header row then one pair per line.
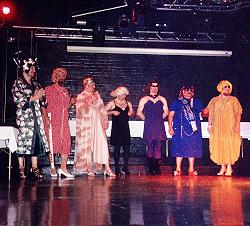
x,y
91,139
186,142
58,100
31,138
224,142
120,133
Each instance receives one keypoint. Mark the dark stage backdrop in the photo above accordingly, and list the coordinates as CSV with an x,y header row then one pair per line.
x,y
135,71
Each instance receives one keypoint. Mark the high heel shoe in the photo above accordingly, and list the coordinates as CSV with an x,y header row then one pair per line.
x,y
53,172
126,171
221,173
61,172
90,172
21,173
109,174
229,174
36,173
192,173
177,173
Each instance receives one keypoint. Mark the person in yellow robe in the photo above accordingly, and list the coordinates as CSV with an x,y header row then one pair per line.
x,y
224,128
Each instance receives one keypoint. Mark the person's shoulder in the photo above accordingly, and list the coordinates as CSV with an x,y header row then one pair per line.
x,y
162,98
144,99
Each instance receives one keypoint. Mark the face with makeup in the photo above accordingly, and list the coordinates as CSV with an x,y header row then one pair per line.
x,y
188,93
154,89
89,85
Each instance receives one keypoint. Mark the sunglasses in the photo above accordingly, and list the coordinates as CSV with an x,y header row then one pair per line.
x,y
152,85
224,87
189,90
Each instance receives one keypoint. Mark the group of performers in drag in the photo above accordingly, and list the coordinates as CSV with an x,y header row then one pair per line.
x,y
42,120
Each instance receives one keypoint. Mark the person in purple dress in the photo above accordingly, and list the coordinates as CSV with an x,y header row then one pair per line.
x,y
153,109
185,128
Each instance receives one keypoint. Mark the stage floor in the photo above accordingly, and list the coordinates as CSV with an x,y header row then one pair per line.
x,y
130,200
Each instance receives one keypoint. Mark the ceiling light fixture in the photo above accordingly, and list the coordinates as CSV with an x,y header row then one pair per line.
x,y
149,51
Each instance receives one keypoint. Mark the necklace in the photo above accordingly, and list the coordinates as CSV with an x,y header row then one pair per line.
x,y
153,96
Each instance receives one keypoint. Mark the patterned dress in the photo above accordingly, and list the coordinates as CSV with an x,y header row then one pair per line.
x,y
58,100
224,142
31,137
91,139
186,142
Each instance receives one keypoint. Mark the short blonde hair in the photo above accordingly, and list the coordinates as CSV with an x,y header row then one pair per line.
x,y
223,83
58,74
119,91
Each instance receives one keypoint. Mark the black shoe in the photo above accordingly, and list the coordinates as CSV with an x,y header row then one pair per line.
x,y
36,173
118,172
126,171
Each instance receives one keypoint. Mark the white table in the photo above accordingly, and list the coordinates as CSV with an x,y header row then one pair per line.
x,y
8,141
136,129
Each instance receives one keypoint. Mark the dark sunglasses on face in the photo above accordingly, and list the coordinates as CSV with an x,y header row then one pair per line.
x,y
189,90
152,85
224,87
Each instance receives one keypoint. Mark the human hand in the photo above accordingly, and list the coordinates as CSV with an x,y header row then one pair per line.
x,y
38,94
171,131
115,113
237,129
209,129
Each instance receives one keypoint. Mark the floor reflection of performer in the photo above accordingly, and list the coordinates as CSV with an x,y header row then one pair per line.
x,y
119,205
59,208
92,198
186,212
226,203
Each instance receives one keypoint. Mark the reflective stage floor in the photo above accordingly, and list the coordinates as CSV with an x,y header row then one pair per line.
x,y
130,200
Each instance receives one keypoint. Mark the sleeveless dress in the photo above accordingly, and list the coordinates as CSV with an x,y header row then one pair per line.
x,y
120,133
154,128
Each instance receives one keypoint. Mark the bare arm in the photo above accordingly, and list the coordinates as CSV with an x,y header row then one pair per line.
x,y
109,107
170,122
165,107
140,109
237,124
130,111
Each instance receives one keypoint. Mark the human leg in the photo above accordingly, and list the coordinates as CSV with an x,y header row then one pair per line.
x,y
191,171
126,149
223,169
150,158
177,171
229,170
117,149
108,171
21,164
157,157
34,169
63,169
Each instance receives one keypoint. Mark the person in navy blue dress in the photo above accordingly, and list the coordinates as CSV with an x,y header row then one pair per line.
x,y
185,128
153,109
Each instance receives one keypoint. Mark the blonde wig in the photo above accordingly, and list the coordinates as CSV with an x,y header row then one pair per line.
x,y
224,83
119,91
59,74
